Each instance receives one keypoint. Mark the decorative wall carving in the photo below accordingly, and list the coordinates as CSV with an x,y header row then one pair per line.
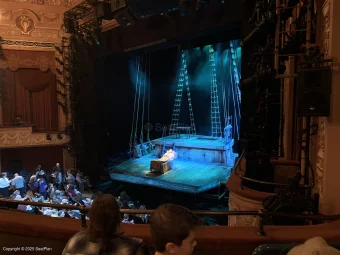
x,y
325,27
65,3
5,14
27,43
30,24
237,203
50,17
42,60
16,137
25,24
322,121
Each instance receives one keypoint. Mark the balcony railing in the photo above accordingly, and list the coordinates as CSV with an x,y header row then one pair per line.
x,y
244,178
261,214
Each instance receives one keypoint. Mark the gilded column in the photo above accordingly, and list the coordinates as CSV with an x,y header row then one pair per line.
x,y
322,121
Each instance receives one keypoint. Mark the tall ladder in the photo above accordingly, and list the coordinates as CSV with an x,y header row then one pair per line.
x,y
216,130
182,82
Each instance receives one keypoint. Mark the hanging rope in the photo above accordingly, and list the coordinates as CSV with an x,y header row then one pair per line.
x,y
138,87
134,106
141,137
235,101
223,93
149,92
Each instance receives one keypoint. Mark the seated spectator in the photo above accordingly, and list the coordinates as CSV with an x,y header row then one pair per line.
x,y
18,183
70,177
314,246
80,182
41,184
31,182
173,229
4,185
101,235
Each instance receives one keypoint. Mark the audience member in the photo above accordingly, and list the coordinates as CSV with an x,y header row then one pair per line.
x,y
57,168
314,246
41,184
173,230
101,235
18,183
4,185
37,170
70,177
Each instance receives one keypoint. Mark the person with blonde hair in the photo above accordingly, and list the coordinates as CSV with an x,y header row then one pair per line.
x,y
314,246
101,236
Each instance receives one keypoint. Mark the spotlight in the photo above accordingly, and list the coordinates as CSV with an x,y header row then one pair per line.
x,y
48,137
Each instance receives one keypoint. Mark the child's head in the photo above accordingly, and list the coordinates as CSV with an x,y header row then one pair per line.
x,y
173,229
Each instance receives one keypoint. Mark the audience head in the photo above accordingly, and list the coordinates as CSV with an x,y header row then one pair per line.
x,y
3,175
314,246
16,175
57,165
173,229
104,219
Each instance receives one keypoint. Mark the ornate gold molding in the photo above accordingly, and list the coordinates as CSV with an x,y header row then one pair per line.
x,y
322,121
17,137
64,3
28,44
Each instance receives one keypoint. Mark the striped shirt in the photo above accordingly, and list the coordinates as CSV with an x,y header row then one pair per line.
x,y
80,244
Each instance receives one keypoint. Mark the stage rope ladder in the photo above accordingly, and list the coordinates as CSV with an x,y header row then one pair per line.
x,y
216,130
183,81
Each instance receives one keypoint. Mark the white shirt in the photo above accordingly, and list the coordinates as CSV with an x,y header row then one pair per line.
x,y
18,182
4,183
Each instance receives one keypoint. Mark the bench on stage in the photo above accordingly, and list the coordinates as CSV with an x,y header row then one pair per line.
x,y
187,131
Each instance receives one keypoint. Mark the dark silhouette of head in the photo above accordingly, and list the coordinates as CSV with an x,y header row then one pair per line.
x,y
104,219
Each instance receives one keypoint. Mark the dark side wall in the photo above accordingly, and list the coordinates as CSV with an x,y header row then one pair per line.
x,y
30,158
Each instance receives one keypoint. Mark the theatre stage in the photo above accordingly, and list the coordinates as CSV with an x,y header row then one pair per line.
x,y
187,176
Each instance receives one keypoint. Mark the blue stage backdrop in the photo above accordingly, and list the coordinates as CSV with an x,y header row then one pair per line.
x,y
137,93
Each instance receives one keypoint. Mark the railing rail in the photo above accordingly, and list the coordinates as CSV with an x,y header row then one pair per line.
x,y
261,214
242,177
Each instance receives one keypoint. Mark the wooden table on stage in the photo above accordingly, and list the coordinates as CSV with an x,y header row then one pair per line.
x,y
186,129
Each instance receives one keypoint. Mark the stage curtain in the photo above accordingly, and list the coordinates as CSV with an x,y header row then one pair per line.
x,y
9,97
32,94
34,79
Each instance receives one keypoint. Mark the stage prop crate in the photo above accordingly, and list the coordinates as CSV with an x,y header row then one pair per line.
x,y
161,167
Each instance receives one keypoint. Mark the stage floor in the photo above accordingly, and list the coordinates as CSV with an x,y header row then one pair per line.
x,y
187,176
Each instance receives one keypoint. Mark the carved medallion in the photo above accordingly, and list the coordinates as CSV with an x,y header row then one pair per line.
x,y
25,24
44,65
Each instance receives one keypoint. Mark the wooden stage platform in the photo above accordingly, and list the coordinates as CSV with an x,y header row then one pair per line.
x,y
194,141
187,176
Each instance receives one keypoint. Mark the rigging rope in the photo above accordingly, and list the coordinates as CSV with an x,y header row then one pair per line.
x,y
138,87
141,137
235,99
223,92
149,91
134,107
